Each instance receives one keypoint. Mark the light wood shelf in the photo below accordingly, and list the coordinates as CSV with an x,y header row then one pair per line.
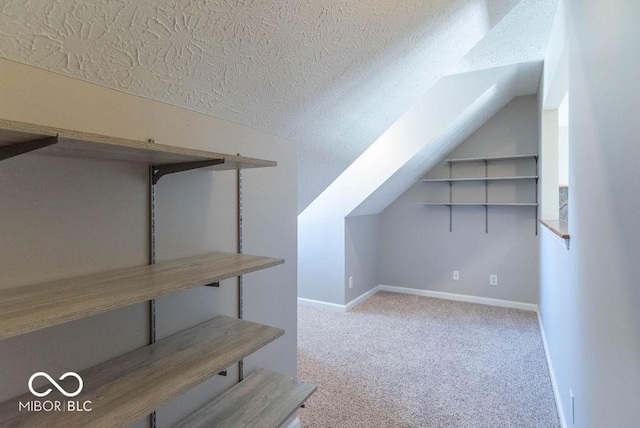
x,y
93,146
483,204
263,399
492,158
131,386
449,180
558,227
28,308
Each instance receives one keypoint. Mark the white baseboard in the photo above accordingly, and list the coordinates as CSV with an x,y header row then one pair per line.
x,y
460,297
293,424
320,304
417,292
335,306
355,302
552,375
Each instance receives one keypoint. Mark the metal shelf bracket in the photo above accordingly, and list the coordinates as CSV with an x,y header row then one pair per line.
x,y
17,149
160,171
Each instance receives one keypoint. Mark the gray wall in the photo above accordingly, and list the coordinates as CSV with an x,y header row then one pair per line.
x,y
63,217
418,251
321,258
362,243
589,294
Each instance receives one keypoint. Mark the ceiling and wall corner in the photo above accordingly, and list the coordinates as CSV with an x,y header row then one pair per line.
x,y
331,75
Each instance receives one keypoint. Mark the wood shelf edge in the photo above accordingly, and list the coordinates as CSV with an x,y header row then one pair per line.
x,y
456,179
492,158
558,227
80,144
238,407
483,204
37,306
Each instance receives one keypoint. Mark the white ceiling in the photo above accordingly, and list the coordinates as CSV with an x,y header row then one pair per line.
x,y
332,75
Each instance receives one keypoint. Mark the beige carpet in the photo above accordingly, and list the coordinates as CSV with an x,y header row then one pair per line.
x,y
405,361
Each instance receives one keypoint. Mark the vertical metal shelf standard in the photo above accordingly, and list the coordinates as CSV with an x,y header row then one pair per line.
x,y
486,196
536,207
240,278
156,172
152,261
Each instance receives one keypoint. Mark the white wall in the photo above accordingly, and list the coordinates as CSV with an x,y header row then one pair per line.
x,y
563,156
548,165
417,249
589,294
426,131
64,217
321,258
362,245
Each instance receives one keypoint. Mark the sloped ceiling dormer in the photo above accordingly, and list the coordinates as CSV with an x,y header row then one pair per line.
x,y
331,75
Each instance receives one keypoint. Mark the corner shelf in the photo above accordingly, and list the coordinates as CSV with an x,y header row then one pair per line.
x,y
486,179
131,386
34,307
280,396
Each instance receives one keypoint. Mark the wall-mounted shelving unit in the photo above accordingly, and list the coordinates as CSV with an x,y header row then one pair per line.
x,y
29,308
486,179
135,384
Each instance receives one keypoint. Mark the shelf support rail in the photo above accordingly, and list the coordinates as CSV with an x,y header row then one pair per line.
x,y
158,171
18,149
152,261
536,207
240,278
450,198
486,197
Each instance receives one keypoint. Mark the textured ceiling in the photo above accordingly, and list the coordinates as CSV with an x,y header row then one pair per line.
x,y
332,75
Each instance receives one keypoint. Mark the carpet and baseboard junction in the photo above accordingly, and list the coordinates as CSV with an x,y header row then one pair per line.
x,y
401,360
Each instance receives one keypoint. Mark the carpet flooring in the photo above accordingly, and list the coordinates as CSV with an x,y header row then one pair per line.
x,y
398,360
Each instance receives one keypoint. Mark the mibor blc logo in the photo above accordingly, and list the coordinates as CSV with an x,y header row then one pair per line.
x,y
54,383
55,405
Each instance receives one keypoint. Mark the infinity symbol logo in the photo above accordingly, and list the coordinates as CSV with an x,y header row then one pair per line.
x,y
54,383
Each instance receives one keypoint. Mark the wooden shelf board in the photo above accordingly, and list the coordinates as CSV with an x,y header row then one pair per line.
x,y
521,177
492,158
131,386
263,399
490,204
558,227
94,146
33,307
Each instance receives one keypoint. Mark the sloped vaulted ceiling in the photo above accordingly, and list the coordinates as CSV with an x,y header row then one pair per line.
x,y
331,75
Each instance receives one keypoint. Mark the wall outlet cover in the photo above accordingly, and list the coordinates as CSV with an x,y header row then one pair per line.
x,y
456,275
493,279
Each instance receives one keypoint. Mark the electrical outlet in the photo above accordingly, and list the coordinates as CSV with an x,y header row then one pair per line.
x,y
573,407
456,275
350,282
493,279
